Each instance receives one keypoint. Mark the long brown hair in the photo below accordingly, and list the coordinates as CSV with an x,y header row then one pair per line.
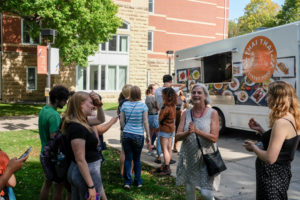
x,y
74,112
282,98
169,96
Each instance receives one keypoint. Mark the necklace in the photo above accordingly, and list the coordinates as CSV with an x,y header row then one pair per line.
x,y
201,113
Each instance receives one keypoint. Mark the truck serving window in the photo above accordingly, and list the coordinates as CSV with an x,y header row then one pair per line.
x,y
218,68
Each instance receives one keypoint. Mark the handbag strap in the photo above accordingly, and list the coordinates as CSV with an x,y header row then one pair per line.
x,y
130,114
198,141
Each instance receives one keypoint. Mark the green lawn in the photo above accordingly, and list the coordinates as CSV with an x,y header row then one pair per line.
x,y
34,109
30,178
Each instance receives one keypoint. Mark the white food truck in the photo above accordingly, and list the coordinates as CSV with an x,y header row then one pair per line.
x,y
237,71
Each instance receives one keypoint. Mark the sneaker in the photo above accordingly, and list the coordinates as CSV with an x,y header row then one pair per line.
x,y
127,187
172,161
165,171
149,153
158,161
140,185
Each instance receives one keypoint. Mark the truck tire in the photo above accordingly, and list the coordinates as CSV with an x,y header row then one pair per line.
x,y
222,125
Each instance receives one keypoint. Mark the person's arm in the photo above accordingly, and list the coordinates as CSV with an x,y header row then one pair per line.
x,y
11,181
13,165
279,133
213,135
78,147
104,127
100,118
180,86
122,120
181,134
146,126
254,125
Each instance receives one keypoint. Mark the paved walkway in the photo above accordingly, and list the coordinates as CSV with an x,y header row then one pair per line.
x,y
237,182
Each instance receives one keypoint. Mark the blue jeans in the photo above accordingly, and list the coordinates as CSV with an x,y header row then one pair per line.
x,y
132,145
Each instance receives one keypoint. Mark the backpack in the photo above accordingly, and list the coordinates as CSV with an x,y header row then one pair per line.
x,y
54,158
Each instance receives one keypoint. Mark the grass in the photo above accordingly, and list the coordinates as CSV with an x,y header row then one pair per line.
x,y
34,109
30,178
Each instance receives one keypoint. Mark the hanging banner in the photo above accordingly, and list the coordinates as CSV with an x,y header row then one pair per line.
x,y
54,61
41,59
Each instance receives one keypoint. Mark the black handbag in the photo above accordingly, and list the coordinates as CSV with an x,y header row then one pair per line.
x,y
214,162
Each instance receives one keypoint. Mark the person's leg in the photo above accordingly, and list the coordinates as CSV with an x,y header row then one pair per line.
x,y
58,191
170,147
102,194
190,192
44,194
207,194
137,150
127,145
122,161
165,149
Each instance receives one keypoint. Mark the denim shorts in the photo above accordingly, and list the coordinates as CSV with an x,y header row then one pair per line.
x,y
165,134
153,121
78,184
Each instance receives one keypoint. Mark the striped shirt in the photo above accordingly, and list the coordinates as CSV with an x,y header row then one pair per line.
x,y
134,116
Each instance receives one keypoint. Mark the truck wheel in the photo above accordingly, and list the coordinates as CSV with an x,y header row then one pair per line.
x,y
222,126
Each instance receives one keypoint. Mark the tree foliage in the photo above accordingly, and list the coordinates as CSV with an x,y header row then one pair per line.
x,y
81,24
290,12
258,13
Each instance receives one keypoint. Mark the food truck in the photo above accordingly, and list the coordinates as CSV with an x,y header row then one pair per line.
x,y
238,70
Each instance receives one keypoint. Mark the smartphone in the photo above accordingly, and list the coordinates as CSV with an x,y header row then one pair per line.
x,y
26,153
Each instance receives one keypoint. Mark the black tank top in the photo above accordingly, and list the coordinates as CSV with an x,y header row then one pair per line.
x,y
288,148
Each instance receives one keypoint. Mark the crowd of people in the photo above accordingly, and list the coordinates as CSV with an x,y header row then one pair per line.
x,y
167,118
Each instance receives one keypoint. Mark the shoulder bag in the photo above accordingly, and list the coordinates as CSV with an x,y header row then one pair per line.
x,y
214,162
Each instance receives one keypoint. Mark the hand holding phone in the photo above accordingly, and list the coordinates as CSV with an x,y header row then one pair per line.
x,y
26,153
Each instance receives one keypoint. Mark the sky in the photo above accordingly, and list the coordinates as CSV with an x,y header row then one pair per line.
x,y
236,7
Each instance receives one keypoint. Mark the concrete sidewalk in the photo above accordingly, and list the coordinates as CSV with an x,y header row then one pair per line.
x,y
237,182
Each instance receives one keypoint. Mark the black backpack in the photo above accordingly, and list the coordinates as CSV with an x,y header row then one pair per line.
x,y
54,158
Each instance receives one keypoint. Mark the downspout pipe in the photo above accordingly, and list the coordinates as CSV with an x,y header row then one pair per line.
x,y
225,10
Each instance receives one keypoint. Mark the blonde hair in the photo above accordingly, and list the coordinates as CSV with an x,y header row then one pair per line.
x,y
126,90
282,98
74,112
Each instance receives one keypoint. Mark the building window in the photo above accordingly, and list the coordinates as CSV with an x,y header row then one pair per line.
x,y
81,78
103,47
122,76
112,78
26,39
112,44
103,80
150,41
31,76
94,77
151,6
123,43
125,26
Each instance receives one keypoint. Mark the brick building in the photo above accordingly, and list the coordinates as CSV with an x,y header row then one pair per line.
x,y
136,54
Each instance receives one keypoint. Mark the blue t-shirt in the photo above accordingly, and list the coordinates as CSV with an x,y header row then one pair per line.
x,y
134,116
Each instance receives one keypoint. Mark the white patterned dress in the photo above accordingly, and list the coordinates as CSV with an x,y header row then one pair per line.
x,y
191,168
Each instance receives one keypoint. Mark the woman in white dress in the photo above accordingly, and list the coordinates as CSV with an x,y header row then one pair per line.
x,y
203,122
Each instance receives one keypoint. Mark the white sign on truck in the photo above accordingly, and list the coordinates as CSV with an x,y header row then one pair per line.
x,y
237,71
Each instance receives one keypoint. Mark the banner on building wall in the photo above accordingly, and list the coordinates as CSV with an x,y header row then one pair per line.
x,y
54,61
41,59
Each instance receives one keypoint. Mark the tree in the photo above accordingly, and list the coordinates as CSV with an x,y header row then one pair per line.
x,y
290,12
81,24
258,13
233,28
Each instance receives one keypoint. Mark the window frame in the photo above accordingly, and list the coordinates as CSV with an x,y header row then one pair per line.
x,y
31,41
152,6
152,39
35,78
118,38
128,26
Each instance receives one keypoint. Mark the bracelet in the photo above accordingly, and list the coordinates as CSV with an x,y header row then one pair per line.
x,y
91,187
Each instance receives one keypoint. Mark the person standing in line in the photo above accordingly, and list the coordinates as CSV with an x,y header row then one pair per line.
x,y
49,122
181,104
167,80
124,96
167,117
82,144
133,120
273,163
203,122
152,115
